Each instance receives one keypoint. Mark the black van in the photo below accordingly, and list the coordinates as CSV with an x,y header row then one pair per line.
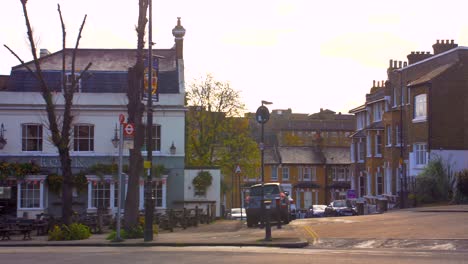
x,y
274,193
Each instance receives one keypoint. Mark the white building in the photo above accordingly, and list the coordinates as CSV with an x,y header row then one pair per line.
x,y
100,99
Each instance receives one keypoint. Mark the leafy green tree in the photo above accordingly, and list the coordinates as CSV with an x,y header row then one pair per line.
x,y
210,103
216,134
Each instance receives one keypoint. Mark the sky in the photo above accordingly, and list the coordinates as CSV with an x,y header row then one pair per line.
x,y
298,54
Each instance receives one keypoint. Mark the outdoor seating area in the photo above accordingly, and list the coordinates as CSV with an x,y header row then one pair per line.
x,y
168,219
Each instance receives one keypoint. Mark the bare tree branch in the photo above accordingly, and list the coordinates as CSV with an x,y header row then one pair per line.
x,y
22,62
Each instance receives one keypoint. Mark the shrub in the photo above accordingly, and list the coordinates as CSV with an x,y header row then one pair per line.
x,y
462,182
137,232
434,183
74,231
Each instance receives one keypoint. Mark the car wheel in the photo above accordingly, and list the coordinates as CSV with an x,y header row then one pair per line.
x,y
250,222
286,220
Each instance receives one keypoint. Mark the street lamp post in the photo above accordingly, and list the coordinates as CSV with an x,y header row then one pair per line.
x,y
149,207
262,116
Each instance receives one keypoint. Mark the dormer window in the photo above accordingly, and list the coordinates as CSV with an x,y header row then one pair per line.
x,y
69,81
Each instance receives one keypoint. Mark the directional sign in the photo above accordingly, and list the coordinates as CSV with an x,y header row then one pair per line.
x,y
129,129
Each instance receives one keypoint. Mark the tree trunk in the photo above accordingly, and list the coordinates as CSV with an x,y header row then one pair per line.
x,y
135,114
67,186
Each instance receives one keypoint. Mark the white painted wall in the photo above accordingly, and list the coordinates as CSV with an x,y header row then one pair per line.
x,y
99,109
213,192
457,158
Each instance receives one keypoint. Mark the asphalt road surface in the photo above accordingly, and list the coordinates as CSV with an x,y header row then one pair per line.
x,y
413,229
204,255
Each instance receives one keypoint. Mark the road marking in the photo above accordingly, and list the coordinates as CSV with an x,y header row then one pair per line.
x,y
311,233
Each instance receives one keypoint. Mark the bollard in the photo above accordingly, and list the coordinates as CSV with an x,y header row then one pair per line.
x,y
196,216
267,222
278,213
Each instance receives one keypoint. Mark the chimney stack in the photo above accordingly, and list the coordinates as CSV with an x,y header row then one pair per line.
x,y
43,53
179,32
443,46
414,57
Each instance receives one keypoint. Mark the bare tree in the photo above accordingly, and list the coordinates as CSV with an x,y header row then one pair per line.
x,y
135,110
60,123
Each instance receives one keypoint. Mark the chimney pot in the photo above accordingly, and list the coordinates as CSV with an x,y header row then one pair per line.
x,y
373,83
391,63
400,63
452,41
437,42
405,64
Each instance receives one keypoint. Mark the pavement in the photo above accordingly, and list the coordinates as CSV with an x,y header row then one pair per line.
x,y
318,233
219,233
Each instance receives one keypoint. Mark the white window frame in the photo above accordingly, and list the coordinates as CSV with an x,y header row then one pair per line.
x,y
307,174
388,130
90,138
68,81
369,144
38,138
379,184
156,138
352,150
99,187
285,173
37,195
395,97
361,151
274,173
420,154
378,111
378,144
313,173
420,108
398,135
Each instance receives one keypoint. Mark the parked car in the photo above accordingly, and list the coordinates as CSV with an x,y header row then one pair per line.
x,y
278,198
235,214
340,208
319,210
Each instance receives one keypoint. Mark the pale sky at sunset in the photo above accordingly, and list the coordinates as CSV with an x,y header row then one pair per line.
x,y
303,55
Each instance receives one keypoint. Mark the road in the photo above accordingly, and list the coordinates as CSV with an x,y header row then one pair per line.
x,y
413,229
203,255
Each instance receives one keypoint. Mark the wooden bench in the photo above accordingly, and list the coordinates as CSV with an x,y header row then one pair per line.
x,y
7,230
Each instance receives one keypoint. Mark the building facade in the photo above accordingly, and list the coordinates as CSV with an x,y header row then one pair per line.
x,y
100,98
308,154
424,116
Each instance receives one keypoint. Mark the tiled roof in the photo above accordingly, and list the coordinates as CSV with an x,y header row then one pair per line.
x,y
108,73
431,75
293,155
358,134
376,126
337,155
358,109
110,60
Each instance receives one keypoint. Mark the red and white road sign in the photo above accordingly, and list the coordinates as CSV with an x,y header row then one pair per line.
x,y
122,118
128,129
